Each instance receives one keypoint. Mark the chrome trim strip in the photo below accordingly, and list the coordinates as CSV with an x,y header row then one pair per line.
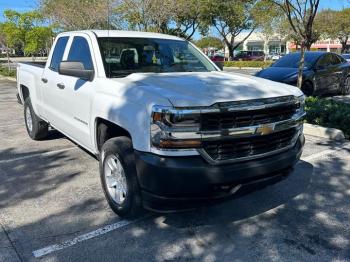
x,y
207,157
295,121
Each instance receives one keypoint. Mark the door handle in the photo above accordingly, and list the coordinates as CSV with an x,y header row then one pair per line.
x,y
60,86
44,80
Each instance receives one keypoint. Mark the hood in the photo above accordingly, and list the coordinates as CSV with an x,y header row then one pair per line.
x,y
277,73
207,88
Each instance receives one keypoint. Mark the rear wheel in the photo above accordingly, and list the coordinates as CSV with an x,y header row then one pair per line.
x,y
36,127
307,88
346,87
118,177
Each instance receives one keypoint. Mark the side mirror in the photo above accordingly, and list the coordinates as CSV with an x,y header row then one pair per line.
x,y
76,69
220,65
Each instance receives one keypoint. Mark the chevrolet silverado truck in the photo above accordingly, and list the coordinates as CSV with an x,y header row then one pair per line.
x,y
171,131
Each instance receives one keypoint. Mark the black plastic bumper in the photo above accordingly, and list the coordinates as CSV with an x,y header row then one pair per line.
x,y
173,183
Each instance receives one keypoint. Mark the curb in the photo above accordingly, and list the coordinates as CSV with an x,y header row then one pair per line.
x,y
8,78
324,132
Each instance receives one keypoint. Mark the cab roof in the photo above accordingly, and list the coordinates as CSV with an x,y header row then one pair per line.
x,y
132,34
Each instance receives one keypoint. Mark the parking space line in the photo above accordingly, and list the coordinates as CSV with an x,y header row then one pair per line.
x,y
19,124
38,154
98,232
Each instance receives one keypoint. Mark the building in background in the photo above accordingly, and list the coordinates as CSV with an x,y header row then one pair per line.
x,y
276,44
4,50
259,42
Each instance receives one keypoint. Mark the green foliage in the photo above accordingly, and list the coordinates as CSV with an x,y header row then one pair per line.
x,y
240,64
37,39
4,71
334,24
25,32
328,113
209,41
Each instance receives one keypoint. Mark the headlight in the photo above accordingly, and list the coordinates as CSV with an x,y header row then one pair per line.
x,y
175,129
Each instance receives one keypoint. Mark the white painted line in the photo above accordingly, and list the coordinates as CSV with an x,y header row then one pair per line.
x,y
36,155
320,154
2,126
98,232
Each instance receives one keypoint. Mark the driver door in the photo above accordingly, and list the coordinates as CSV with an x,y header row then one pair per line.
x,y
77,93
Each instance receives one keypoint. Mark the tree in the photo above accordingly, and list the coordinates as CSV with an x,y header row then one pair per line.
x,y
230,18
301,16
186,17
81,14
335,25
147,15
37,40
25,31
270,22
209,41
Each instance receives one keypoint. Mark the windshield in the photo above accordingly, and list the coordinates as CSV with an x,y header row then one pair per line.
x,y
292,60
124,56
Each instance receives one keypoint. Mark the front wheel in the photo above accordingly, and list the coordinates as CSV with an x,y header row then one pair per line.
x,y
307,88
118,177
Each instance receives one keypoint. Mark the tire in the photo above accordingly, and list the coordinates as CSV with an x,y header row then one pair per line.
x,y
307,88
346,88
37,128
119,177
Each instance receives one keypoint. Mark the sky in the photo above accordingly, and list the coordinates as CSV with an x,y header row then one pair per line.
x,y
27,5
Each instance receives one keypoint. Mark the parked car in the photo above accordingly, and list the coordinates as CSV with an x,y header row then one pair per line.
x,y
274,56
170,130
324,73
346,56
217,58
249,56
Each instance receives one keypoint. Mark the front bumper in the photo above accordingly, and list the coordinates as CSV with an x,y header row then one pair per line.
x,y
177,183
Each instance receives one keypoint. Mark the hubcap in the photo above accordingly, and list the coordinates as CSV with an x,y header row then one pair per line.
x,y
29,119
115,179
347,86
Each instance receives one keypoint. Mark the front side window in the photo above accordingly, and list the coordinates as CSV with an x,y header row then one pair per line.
x,y
124,56
58,53
80,52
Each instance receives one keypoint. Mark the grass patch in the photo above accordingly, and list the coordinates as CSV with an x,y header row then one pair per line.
x,y
4,71
259,64
328,113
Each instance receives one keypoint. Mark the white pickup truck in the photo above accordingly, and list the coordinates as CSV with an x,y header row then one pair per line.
x,y
170,129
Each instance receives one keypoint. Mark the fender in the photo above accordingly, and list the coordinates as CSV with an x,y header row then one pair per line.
x,y
27,79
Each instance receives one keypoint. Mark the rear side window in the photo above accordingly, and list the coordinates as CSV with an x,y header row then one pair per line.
x,y
335,60
80,52
58,53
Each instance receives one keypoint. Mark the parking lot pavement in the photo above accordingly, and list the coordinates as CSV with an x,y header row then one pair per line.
x,y
52,209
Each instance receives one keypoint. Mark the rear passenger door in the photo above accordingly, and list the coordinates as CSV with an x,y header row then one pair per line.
x,y
323,74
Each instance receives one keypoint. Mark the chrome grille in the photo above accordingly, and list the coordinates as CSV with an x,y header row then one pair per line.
x,y
235,148
237,119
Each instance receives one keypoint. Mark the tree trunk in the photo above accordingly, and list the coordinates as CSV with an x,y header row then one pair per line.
x,y
308,47
343,46
8,60
230,52
301,66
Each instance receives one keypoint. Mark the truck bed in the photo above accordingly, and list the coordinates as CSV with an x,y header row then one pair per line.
x,y
40,64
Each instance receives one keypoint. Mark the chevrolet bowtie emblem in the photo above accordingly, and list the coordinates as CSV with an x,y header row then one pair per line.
x,y
265,129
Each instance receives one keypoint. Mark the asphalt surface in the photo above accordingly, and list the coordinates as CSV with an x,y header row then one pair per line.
x,y
52,209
